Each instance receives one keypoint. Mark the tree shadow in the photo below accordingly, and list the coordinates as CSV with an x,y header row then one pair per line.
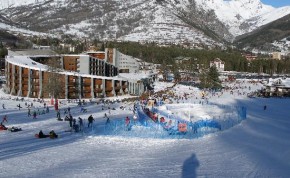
x,y
189,167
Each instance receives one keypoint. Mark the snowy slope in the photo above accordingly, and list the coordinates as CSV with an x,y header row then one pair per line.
x,y
268,17
14,3
258,147
16,30
243,16
239,16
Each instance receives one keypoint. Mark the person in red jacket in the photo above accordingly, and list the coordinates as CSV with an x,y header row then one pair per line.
x,y
127,121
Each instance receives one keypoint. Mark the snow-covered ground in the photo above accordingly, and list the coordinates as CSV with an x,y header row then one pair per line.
x,y
257,147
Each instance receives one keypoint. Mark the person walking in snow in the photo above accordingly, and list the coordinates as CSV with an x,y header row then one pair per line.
x,y
90,119
29,113
108,121
34,114
19,106
58,115
3,106
70,121
81,123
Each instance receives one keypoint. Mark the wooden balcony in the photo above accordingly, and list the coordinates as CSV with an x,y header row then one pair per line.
x,y
99,90
108,89
34,76
98,82
86,84
72,84
71,89
109,94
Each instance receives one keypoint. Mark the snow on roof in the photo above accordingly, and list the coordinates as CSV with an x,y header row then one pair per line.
x,y
33,52
26,62
137,76
134,76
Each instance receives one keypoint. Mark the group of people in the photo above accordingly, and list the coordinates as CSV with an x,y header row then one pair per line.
x,y
51,134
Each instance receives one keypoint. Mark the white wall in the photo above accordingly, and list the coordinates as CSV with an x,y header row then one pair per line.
x,y
126,62
84,62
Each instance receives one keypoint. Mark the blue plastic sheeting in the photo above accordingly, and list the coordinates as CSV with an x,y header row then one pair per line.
x,y
142,117
146,128
205,123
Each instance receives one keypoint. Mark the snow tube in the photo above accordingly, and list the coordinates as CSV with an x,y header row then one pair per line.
x,y
2,127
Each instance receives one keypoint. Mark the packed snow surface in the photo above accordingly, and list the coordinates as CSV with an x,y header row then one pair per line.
x,y
257,147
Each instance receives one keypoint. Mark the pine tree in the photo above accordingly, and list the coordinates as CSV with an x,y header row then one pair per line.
x,y
213,78
210,78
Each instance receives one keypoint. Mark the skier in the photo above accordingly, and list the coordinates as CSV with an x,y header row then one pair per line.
x,y
265,107
3,106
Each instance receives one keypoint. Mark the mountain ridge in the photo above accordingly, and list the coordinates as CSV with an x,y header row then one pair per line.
x,y
206,22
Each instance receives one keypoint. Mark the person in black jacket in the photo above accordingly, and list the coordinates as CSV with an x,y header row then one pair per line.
x,y
41,134
90,119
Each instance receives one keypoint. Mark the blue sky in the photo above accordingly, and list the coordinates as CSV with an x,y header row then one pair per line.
x,y
277,3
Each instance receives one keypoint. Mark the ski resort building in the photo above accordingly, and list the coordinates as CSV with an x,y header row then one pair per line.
x,y
219,64
81,76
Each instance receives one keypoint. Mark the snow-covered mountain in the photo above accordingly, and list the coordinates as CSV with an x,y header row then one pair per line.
x,y
169,21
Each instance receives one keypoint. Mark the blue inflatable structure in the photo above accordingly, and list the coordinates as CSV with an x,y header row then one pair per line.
x,y
146,127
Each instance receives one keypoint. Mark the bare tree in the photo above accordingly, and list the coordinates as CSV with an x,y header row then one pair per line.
x,y
55,83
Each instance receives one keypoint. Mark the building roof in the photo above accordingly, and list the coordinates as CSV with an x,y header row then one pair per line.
x,y
279,82
137,76
27,62
32,52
